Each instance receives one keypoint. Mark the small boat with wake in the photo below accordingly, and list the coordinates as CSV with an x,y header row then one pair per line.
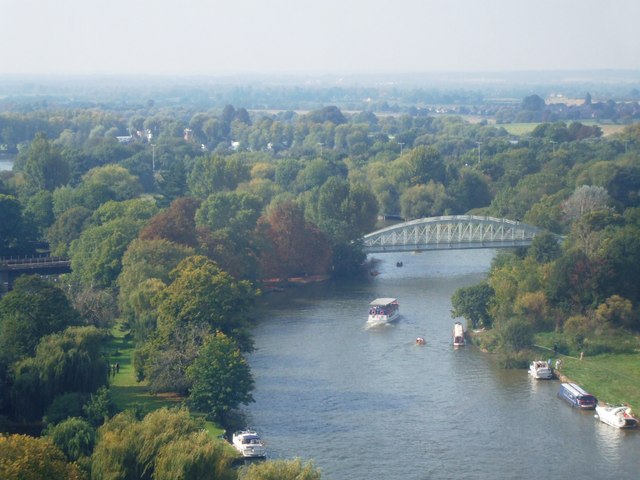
x,y
383,310
458,335
539,369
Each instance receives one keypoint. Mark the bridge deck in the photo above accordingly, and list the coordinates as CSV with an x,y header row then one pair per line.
x,y
449,233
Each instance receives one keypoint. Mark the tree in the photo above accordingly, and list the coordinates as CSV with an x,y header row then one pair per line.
x,y
194,456
39,210
144,260
100,407
618,312
34,308
621,254
175,224
237,212
28,458
516,335
165,364
131,449
74,436
96,257
533,307
545,248
329,113
425,165
44,167
281,470
64,362
16,235
95,306
114,180
216,174
424,201
572,282
471,190
472,303
221,378
585,199
64,406
201,293
533,103
295,246
66,228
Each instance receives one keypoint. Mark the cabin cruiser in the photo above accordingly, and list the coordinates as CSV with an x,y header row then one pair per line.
x,y
458,335
616,415
383,310
249,444
541,370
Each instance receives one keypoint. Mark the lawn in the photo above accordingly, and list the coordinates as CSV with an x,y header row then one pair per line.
x,y
611,378
524,129
519,129
127,393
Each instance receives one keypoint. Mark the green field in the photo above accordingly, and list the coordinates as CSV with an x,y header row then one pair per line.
x,y
522,129
127,393
611,378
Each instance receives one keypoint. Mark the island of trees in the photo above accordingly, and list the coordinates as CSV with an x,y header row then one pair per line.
x,y
176,219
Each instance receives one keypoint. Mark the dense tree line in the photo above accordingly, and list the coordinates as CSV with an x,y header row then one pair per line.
x,y
176,227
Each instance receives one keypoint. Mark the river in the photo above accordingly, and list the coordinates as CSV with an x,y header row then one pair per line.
x,y
366,403
6,162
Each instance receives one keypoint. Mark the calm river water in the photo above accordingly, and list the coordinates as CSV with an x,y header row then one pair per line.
x,y
369,403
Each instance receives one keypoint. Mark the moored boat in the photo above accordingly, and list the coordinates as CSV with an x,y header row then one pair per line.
x,y
618,416
249,444
577,397
383,310
541,370
458,335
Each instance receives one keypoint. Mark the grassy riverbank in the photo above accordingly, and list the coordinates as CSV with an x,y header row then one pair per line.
x,y
127,393
612,377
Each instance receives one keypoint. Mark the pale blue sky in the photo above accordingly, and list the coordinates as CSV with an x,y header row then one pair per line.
x,y
218,37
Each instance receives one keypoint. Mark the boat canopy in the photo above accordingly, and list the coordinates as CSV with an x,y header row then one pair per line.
x,y
381,302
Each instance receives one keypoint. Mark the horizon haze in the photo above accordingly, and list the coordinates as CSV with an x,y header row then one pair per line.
x,y
356,37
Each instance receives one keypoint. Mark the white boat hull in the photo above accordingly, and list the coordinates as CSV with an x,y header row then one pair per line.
x,y
540,371
380,319
619,417
458,335
248,444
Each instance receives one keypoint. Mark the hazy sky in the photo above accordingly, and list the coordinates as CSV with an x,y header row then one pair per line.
x,y
186,37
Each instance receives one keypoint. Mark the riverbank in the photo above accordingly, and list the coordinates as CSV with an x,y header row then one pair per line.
x,y
278,284
612,377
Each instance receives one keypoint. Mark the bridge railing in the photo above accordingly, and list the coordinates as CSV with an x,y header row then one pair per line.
x,y
450,231
32,260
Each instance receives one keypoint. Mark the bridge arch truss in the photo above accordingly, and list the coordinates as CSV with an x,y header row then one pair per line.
x,y
449,233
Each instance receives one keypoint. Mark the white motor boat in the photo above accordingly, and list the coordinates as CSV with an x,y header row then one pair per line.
x,y
249,444
458,335
616,415
383,310
540,369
